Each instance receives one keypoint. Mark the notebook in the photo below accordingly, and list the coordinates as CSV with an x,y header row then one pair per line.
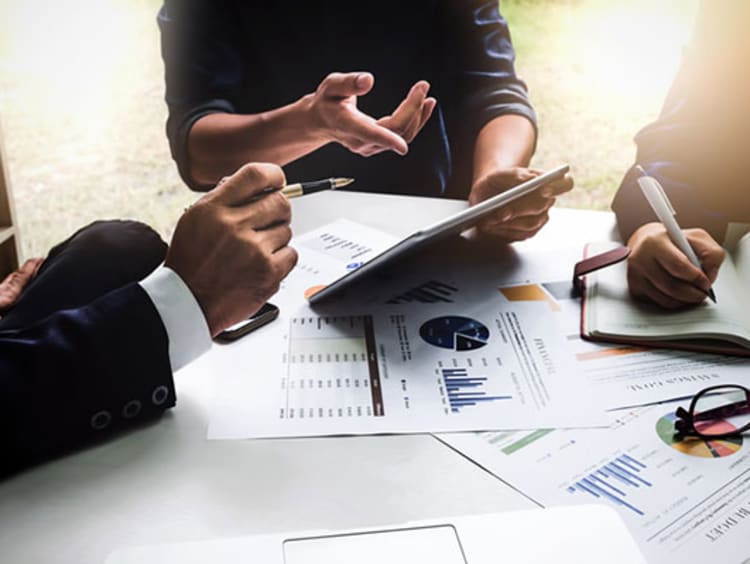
x,y
610,314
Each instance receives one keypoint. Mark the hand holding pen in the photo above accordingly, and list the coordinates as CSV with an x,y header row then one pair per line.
x,y
668,266
299,188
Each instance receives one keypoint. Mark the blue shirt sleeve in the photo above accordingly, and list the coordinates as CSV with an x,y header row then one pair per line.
x,y
697,148
480,63
202,68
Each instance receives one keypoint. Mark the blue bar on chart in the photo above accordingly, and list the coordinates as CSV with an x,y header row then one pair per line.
x,y
612,480
464,390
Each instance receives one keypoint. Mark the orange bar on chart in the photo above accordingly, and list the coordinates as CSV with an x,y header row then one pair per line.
x,y
529,293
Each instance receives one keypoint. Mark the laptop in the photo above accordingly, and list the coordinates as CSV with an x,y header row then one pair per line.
x,y
586,534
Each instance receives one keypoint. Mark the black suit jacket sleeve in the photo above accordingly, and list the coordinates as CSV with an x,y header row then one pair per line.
x,y
80,375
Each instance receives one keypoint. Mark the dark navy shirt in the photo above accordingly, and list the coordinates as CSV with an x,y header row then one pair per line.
x,y
249,57
699,147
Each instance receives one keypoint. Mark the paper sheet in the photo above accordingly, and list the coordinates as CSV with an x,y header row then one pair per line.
x,y
401,369
449,343
397,358
683,503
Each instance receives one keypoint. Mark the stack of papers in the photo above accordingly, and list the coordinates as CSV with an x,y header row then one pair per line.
x,y
445,342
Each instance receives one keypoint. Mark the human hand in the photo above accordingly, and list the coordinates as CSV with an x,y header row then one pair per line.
x,y
335,114
524,217
230,247
659,272
12,285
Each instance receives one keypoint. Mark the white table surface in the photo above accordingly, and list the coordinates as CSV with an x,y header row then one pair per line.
x,y
167,483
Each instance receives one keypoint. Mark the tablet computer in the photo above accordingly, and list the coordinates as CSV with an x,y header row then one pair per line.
x,y
451,225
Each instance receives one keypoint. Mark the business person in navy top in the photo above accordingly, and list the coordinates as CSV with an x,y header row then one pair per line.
x,y
417,97
698,150
89,338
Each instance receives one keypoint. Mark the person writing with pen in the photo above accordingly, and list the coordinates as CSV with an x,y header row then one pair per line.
x,y
698,150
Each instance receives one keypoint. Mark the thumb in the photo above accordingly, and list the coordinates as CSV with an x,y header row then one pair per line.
x,y
347,84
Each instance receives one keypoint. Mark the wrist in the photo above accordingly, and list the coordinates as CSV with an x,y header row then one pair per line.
x,y
309,118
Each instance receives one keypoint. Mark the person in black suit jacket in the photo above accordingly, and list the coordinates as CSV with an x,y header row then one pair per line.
x,y
89,346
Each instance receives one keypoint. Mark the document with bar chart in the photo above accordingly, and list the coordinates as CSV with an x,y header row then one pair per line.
x,y
684,501
627,375
398,369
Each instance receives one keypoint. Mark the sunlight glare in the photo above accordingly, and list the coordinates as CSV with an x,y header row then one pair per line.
x,y
69,54
630,50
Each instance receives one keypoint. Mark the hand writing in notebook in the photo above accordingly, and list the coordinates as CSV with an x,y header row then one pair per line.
x,y
660,273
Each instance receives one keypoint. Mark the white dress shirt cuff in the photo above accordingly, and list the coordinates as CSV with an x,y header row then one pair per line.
x,y
183,319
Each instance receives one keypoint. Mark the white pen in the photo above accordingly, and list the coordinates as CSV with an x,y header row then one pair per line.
x,y
663,209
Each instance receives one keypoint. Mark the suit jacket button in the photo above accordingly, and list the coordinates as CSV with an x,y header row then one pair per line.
x,y
100,420
159,396
131,409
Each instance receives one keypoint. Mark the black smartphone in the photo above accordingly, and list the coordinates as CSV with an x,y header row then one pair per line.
x,y
264,315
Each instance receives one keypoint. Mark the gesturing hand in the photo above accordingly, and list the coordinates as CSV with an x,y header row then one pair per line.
x,y
231,249
335,114
660,273
524,217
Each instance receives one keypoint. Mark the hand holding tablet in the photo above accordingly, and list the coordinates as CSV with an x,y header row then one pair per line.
x,y
451,225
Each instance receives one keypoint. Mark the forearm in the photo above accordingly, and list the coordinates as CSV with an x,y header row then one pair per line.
x,y
504,142
220,143
80,375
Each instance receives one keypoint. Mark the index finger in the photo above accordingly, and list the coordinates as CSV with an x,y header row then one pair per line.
x,y
557,187
409,109
248,182
678,266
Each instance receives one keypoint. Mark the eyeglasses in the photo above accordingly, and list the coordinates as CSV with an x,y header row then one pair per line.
x,y
714,413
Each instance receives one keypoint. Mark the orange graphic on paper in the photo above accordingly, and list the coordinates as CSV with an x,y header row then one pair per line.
x,y
529,293
313,290
604,353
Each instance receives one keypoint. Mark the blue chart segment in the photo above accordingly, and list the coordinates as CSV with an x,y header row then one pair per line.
x,y
612,480
455,333
464,390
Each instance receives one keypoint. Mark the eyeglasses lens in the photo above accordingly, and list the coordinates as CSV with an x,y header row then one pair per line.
x,y
721,411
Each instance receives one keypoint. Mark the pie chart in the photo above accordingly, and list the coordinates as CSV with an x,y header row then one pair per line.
x,y
694,446
455,333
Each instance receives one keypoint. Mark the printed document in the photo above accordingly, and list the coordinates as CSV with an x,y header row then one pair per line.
x,y
684,502
396,359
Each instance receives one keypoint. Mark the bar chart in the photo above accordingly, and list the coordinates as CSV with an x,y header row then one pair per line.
x,y
338,247
614,481
464,390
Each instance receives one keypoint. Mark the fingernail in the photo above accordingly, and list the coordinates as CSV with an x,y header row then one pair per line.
x,y
361,81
